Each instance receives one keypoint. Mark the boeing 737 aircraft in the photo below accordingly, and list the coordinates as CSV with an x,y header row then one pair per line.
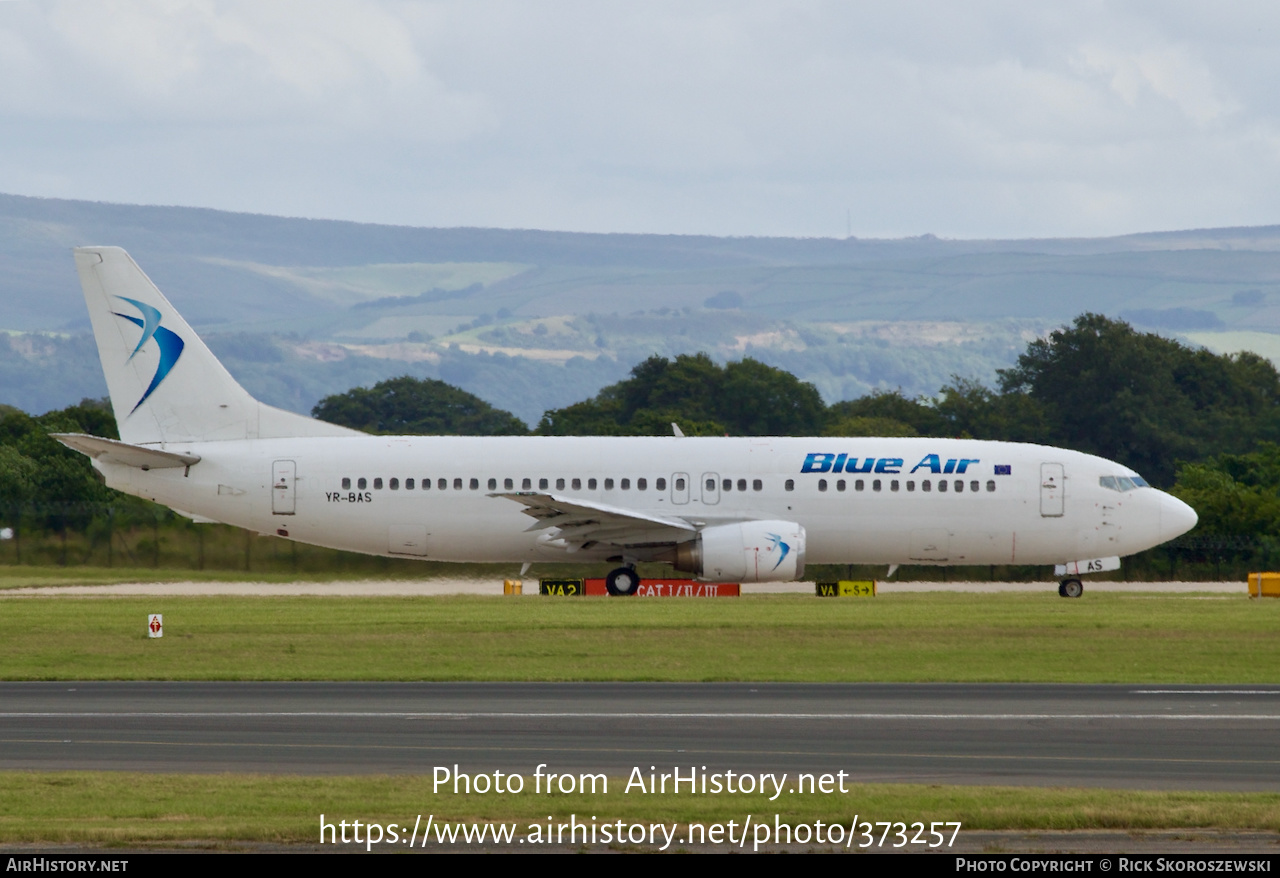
x,y
740,510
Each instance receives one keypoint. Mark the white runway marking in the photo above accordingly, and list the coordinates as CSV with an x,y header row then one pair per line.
x,y
1206,692
627,715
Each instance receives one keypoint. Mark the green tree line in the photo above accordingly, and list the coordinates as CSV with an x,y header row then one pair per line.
x,y
1203,425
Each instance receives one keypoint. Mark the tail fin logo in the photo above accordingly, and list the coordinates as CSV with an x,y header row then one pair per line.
x,y
169,342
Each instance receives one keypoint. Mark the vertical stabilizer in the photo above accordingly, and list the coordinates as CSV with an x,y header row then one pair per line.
x,y
165,385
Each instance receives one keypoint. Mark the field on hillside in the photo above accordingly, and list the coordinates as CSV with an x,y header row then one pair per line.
x,y
532,320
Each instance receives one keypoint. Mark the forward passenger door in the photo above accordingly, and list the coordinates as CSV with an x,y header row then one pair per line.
x,y
1052,483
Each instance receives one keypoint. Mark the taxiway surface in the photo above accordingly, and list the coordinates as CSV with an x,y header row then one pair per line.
x,y
1154,737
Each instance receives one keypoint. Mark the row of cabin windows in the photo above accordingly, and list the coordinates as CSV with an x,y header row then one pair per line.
x,y
660,484
727,485
878,484
641,484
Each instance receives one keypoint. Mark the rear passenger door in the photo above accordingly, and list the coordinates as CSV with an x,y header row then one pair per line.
x,y
283,477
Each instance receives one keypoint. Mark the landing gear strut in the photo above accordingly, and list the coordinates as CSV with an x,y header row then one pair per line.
x,y
1071,588
623,581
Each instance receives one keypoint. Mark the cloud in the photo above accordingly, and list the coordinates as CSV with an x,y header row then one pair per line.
x,y
725,116
333,65
1168,72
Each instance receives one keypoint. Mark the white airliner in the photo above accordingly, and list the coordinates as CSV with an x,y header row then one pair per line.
x,y
739,510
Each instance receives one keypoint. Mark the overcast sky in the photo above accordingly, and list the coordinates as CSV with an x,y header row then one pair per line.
x,y
996,119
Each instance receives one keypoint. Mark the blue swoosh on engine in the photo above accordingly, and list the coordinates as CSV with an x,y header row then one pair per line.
x,y
777,541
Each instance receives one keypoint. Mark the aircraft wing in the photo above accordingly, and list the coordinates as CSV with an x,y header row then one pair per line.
x,y
582,524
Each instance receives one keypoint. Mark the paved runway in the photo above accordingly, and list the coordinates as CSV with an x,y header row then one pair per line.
x,y
1157,737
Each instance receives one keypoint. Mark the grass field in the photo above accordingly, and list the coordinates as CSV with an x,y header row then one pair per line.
x,y
914,637
1129,638
114,808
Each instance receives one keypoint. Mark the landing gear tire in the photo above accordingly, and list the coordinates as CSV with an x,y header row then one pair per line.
x,y
623,581
1071,588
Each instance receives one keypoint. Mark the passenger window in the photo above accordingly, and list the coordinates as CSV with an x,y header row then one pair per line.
x,y
711,484
442,484
660,484
679,484
893,484
426,484
577,484
475,484
394,484
991,484
608,484
926,486
642,484
559,484
822,484
790,485
457,484
377,484
911,486
859,484
493,484
742,484
973,486
408,484
526,485
508,484
840,485
542,484
591,484
726,485
346,484
757,485
942,485
959,486
875,484
361,483
625,484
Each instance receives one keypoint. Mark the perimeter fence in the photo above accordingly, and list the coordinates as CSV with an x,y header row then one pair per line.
x,y
136,534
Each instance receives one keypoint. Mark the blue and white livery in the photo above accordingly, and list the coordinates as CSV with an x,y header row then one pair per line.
x,y
747,509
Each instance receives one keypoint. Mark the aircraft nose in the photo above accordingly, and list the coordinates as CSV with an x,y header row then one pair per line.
x,y
1176,517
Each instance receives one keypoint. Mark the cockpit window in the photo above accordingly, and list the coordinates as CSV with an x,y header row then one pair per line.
x,y
1122,483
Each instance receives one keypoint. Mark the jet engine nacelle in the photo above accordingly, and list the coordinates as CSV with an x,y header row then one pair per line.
x,y
750,551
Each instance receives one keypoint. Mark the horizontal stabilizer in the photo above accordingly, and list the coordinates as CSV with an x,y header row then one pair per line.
x,y
113,451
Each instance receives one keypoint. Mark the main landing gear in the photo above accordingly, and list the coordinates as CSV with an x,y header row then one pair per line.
x,y
1071,588
623,581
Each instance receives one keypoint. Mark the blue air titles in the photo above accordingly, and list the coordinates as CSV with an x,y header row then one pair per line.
x,y
838,463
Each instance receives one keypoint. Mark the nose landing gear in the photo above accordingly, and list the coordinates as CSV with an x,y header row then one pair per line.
x,y
1071,588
